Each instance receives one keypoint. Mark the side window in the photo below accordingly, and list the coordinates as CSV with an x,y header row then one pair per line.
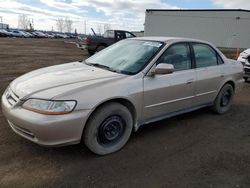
x,y
120,35
109,34
178,55
129,35
205,56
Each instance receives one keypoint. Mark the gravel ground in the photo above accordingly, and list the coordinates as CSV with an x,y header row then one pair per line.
x,y
195,150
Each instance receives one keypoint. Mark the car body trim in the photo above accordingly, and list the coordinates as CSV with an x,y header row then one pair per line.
x,y
167,102
172,114
206,93
184,98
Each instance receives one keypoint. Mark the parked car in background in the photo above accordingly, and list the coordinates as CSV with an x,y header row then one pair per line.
x,y
40,34
10,33
19,33
25,34
97,43
48,35
4,33
131,83
62,35
244,58
34,34
29,34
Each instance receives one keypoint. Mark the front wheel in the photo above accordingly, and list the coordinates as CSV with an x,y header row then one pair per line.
x,y
108,129
224,99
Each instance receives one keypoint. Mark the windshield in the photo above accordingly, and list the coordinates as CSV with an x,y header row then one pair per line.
x,y
127,56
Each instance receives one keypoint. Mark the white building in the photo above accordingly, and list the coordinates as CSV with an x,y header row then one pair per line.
x,y
228,28
4,26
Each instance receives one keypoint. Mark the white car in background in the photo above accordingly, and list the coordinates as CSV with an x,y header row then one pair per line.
x,y
18,33
244,58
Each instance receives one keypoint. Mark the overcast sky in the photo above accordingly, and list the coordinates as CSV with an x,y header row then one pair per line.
x,y
119,14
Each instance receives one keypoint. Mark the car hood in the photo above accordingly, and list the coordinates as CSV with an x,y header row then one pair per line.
x,y
247,51
57,76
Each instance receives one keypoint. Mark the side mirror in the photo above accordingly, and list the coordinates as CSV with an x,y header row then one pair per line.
x,y
163,68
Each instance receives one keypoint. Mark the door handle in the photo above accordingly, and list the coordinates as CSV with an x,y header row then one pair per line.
x,y
190,81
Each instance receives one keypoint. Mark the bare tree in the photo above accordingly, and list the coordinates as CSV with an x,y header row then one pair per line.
x,y
64,25
60,24
106,27
23,21
68,24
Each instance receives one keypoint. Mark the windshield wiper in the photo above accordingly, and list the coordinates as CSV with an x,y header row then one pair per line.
x,y
102,66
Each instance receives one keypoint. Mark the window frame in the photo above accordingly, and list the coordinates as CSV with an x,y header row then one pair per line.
x,y
211,47
188,45
132,35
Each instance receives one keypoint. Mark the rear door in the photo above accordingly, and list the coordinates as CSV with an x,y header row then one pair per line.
x,y
164,94
208,73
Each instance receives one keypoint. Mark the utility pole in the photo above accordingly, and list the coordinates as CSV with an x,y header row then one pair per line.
x,y
1,21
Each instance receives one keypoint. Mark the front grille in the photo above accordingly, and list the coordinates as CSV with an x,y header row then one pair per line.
x,y
248,58
11,97
247,70
247,65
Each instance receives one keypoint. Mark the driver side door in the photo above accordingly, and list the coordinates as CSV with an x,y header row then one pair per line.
x,y
170,93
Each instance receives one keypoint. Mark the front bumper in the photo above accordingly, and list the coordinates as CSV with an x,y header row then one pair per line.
x,y
47,130
246,64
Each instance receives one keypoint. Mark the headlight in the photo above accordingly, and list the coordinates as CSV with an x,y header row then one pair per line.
x,y
49,107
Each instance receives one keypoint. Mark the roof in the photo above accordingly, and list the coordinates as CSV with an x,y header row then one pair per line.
x,y
199,10
167,39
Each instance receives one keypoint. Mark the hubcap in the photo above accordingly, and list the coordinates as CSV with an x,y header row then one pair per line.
x,y
226,97
111,130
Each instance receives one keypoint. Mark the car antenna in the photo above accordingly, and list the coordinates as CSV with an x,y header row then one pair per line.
x,y
93,31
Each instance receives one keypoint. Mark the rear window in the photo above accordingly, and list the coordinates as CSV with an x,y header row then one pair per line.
x,y
109,34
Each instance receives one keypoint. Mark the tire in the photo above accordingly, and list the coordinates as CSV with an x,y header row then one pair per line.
x,y
91,52
245,78
224,99
100,48
108,129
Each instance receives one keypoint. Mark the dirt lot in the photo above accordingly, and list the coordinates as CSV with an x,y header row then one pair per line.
x,y
196,150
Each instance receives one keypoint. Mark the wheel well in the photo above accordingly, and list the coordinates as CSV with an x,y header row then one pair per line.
x,y
231,83
102,44
124,102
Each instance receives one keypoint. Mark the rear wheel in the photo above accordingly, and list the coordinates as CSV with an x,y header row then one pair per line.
x,y
224,99
108,129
